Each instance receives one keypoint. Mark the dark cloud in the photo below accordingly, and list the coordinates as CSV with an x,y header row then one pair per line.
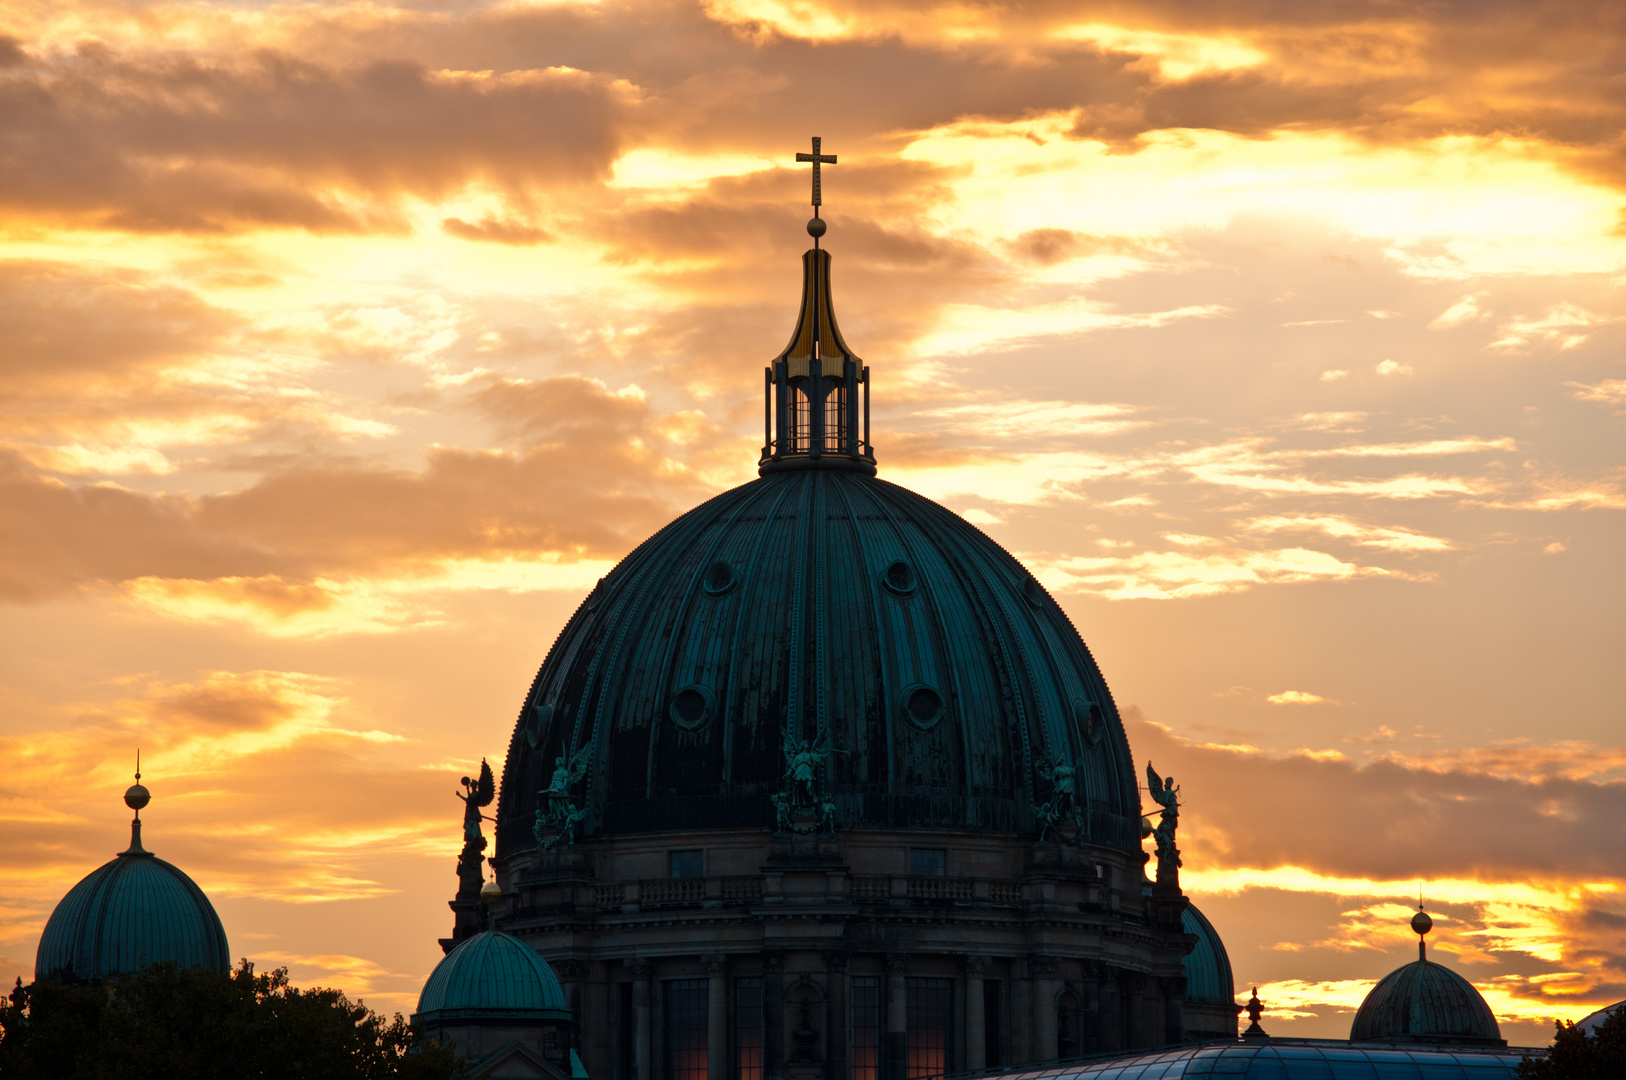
x,y
1386,820
526,99
591,478
177,143
80,330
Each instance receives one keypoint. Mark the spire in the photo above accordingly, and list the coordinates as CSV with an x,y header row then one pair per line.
x,y
812,415
1421,924
136,797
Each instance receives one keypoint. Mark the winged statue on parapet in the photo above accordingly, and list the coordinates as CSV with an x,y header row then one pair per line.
x,y
800,806
557,815
476,796
1166,795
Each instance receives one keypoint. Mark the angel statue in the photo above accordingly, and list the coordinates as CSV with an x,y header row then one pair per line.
x,y
1058,815
800,799
477,794
1166,795
556,814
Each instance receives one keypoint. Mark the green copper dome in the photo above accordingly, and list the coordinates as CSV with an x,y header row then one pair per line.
x,y
945,676
1207,967
491,976
131,912
1424,1002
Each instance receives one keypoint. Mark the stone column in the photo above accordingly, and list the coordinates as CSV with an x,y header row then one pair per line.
x,y
572,973
716,1018
1043,969
897,1017
1019,1007
835,1025
1135,1002
594,1022
1114,1033
773,1016
1174,1009
642,1067
976,1016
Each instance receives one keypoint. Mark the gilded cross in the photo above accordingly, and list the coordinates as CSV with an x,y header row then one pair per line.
x,y
817,159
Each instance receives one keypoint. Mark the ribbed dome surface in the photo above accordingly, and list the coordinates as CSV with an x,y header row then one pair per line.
x,y
1424,1002
943,673
136,910
492,976
1207,967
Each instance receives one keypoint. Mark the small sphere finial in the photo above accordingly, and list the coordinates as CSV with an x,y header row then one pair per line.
x,y
490,893
1421,923
816,227
136,797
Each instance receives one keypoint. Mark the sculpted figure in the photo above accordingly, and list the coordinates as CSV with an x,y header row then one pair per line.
x,y
556,814
476,795
1059,814
1166,795
801,796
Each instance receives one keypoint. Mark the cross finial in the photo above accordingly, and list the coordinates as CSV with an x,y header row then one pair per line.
x,y
817,159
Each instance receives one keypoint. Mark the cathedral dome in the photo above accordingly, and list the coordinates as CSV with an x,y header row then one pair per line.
x,y
495,977
945,676
1424,1002
128,913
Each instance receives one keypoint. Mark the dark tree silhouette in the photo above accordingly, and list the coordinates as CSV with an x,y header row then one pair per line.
x,y
192,1024
1575,1055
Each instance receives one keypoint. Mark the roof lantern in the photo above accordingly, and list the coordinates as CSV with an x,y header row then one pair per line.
x,y
1425,1002
131,912
813,416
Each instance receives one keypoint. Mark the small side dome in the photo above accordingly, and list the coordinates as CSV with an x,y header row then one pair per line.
x,y
491,976
1207,967
128,913
1424,1002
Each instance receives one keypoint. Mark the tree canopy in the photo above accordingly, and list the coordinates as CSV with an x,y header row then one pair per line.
x,y
191,1024
1575,1055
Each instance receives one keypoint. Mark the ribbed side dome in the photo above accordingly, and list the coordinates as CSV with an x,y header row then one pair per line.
x,y
1424,1002
1207,967
945,676
492,976
136,910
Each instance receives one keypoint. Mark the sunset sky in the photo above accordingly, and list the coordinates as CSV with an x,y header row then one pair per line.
x,y
343,346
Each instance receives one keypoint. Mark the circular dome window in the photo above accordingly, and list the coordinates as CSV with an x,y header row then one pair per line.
x,y
540,716
1033,591
691,707
923,706
720,578
1088,716
899,578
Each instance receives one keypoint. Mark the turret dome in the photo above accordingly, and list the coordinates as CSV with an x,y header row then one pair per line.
x,y
133,911
491,976
1425,1002
1207,966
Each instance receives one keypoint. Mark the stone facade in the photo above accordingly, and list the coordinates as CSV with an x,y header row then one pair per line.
x,y
1026,952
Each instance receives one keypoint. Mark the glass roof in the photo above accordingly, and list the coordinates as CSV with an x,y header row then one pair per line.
x,y
1296,1059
